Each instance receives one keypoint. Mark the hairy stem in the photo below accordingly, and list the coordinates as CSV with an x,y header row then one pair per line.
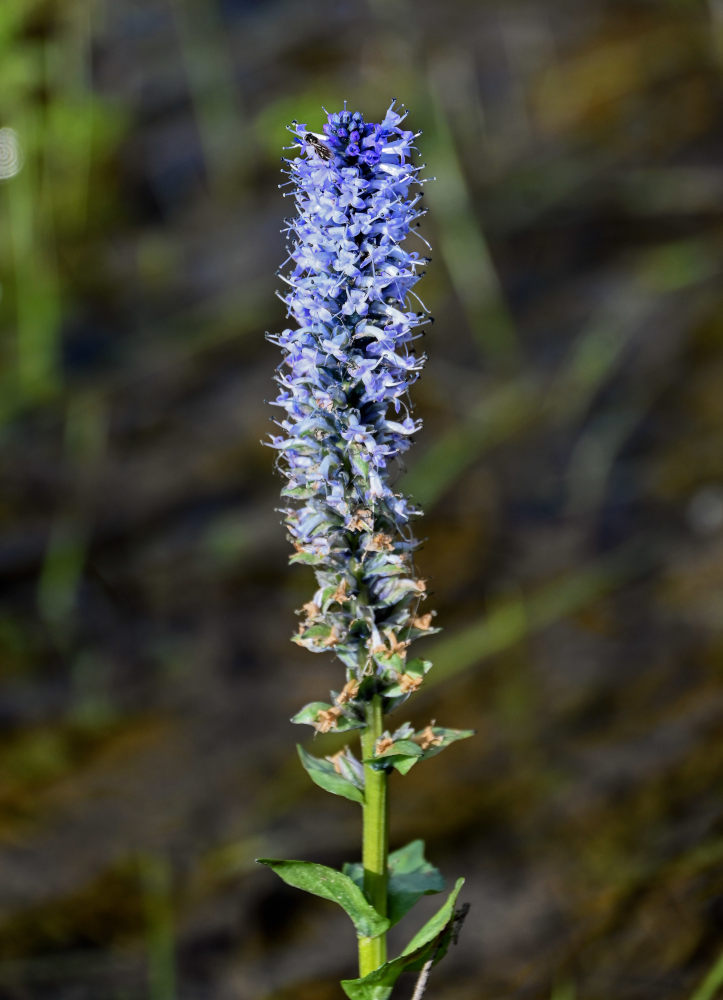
x,y
375,843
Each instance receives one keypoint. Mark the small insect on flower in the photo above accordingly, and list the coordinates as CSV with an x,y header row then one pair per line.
x,y
323,151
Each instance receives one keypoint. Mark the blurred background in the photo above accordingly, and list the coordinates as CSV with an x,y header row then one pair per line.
x,y
570,466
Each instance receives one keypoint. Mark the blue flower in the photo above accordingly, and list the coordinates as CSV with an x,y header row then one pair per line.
x,y
348,365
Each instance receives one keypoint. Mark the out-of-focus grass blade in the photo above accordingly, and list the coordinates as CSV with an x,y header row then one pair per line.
x,y
713,982
463,245
271,121
505,411
85,436
225,136
524,401
678,264
156,877
515,406
507,624
37,292
595,452
563,990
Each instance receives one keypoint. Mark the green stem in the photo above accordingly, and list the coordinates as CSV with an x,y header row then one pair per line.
x,y
375,842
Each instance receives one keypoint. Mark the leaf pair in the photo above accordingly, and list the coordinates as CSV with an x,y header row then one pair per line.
x,y
410,877
344,776
428,944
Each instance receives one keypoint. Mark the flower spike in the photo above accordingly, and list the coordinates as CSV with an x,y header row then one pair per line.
x,y
349,362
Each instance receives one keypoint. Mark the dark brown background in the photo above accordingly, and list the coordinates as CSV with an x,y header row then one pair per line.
x,y
571,467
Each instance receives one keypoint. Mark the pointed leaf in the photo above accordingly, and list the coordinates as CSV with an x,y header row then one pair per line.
x,y
410,877
403,754
417,668
440,922
309,558
404,764
400,748
445,737
431,942
333,885
320,631
360,989
324,774
309,713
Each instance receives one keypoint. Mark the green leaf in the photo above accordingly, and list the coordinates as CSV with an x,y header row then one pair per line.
x,y
415,668
309,713
396,590
321,631
436,925
712,982
410,877
300,492
403,754
333,885
360,989
446,737
323,773
385,567
308,558
431,942
360,464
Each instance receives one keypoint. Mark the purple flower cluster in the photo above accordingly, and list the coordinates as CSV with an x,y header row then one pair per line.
x,y
348,136
348,364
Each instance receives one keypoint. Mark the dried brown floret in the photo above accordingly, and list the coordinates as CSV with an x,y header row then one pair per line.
x,y
380,543
326,719
395,645
427,738
408,682
348,692
362,520
382,744
335,758
332,638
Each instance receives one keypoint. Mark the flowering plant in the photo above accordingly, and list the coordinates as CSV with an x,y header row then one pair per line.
x,y
344,388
